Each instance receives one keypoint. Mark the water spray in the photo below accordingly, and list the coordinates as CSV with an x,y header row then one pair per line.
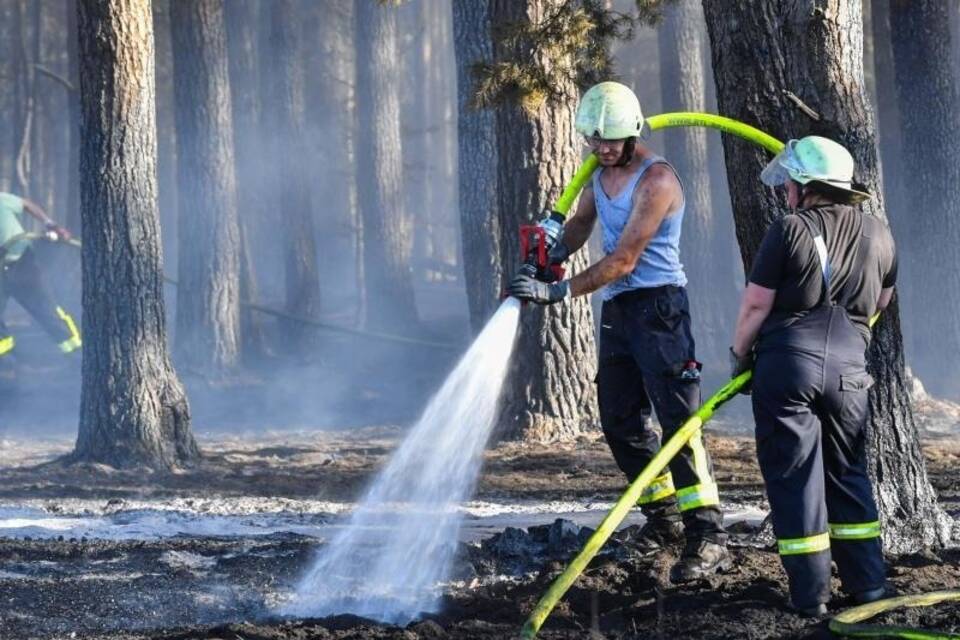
x,y
392,557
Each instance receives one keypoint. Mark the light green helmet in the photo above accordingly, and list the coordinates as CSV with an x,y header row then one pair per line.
x,y
610,111
814,159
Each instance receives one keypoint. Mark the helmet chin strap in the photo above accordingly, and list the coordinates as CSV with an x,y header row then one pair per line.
x,y
627,156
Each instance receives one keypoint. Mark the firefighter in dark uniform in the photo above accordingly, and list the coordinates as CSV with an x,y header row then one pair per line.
x,y
647,355
821,273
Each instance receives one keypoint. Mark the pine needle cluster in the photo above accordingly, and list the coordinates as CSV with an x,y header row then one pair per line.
x,y
569,47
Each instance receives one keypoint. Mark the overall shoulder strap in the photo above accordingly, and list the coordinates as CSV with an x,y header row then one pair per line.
x,y
826,269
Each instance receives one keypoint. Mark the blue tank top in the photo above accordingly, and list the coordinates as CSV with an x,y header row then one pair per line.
x,y
659,264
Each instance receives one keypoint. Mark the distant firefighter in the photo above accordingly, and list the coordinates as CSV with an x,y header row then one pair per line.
x,y
22,280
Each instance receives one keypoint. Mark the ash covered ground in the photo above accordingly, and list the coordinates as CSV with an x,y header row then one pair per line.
x,y
90,552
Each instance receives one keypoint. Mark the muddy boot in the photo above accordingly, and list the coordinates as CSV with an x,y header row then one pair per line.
x,y
814,611
700,559
657,534
872,595
663,527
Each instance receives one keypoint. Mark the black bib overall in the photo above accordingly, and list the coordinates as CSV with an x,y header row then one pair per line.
x,y
810,406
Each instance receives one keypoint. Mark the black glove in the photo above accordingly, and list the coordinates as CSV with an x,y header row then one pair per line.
x,y
559,253
739,364
61,232
529,289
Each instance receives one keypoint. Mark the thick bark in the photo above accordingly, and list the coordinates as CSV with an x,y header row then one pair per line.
x,y
550,394
289,193
387,227
479,222
241,21
208,294
683,89
929,99
815,52
133,409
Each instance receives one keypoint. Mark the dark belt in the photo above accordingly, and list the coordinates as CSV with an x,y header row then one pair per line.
x,y
646,293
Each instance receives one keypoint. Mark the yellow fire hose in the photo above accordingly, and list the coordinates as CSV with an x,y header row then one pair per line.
x,y
847,622
627,502
713,121
73,242
668,121
693,424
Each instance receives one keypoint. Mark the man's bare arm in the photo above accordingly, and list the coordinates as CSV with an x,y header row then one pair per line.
x,y
36,211
652,201
578,228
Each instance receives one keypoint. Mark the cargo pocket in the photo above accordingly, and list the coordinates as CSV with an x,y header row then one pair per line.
x,y
852,382
668,310
854,392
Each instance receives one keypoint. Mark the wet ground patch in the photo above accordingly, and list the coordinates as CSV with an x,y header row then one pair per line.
x,y
212,585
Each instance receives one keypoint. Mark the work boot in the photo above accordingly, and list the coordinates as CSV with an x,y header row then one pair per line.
x,y
700,559
872,595
814,611
658,533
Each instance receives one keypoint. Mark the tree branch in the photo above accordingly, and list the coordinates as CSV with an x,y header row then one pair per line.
x,y
800,104
56,76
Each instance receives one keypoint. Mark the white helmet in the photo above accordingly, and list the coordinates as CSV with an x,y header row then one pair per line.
x,y
814,159
610,111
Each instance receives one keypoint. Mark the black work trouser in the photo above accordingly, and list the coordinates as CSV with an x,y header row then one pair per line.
x,y
647,361
810,388
23,281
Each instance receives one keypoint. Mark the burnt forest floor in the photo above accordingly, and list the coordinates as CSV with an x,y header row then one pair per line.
x,y
219,586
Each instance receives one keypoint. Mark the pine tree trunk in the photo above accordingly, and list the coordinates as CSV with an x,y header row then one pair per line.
x,y
241,18
387,228
9,99
27,37
683,89
133,409
928,98
44,126
208,295
72,214
418,109
329,115
290,192
550,393
479,221
816,53
888,125
167,197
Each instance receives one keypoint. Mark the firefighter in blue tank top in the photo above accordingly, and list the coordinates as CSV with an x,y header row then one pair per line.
x,y
647,358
